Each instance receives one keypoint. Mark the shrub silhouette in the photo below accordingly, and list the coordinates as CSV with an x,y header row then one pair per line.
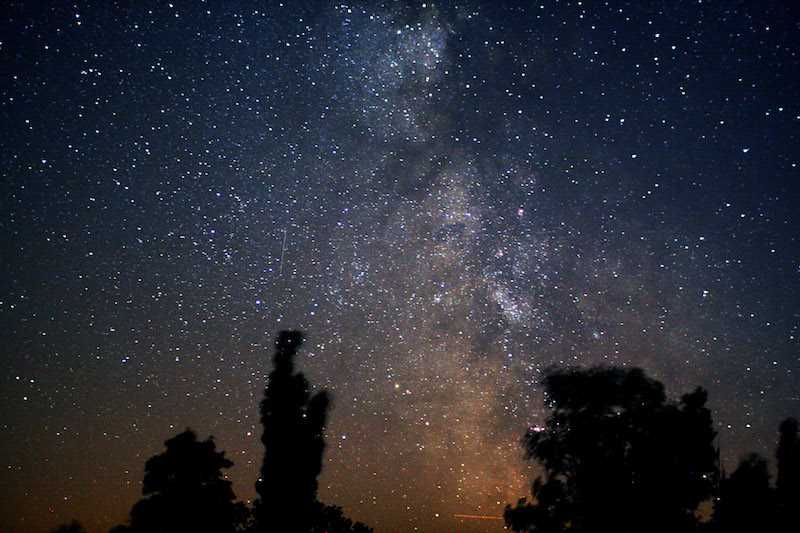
x,y
617,456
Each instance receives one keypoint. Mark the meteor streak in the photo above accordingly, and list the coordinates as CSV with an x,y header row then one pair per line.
x,y
477,517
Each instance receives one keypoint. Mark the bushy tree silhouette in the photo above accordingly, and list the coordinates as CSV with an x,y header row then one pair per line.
x,y
72,527
617,456
184,490
294,425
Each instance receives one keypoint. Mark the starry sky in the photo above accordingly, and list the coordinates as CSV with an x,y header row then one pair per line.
x,y
448,198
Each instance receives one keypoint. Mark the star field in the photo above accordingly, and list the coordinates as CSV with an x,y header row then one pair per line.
x,y
448,198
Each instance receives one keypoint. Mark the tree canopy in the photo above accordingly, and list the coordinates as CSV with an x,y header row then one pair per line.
x,y
617,456
184,490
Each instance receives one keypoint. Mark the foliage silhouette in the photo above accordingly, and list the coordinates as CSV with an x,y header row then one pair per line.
x,y
617,456
745,502
294,425
184,490
331,519
72,527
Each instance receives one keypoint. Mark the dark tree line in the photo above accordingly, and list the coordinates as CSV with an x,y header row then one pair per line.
x,y
618,456
185,490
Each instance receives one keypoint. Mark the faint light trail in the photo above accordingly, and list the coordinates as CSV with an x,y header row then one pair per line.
x,y
477,517
283,251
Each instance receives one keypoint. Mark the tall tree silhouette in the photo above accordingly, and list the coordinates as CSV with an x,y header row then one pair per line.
x,y
745,502
787,485
294,424
617,456
184,490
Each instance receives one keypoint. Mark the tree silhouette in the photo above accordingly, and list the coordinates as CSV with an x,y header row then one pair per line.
x,y
294,423
787,485
184,490
294,426
617,456
72,527
331,519
745,502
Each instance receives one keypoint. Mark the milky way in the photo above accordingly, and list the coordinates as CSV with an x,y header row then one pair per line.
x,y
447,198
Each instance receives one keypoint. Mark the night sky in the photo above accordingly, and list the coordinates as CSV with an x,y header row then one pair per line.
x,y
447,198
